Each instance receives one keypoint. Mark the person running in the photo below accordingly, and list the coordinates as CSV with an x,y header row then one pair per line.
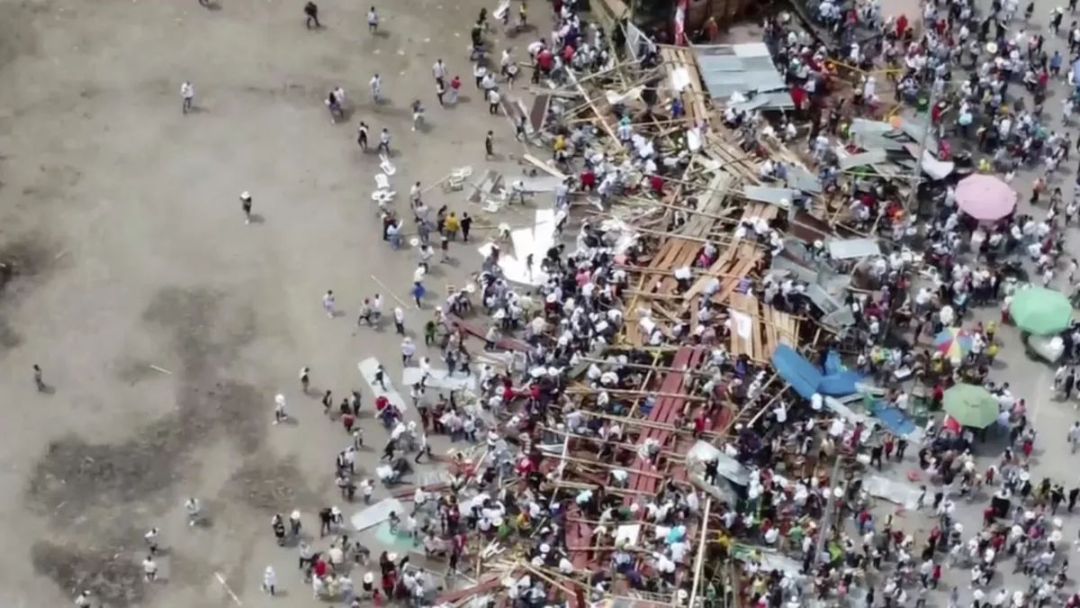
x,y
376,88
194,511
399,320
440,93
362,136
417,114
455,89
38,382
279,409
311,10
384,142
334,101
305,378
269,584
187,97
438,70
328,304
245,205
151,538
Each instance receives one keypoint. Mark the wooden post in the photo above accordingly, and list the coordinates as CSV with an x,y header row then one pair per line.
x,y
702,534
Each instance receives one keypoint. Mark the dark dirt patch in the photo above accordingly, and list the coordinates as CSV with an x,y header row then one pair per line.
x,y
18,35
21,261
79,479
270,485
131,371
74,475
206,335
110,573
9,338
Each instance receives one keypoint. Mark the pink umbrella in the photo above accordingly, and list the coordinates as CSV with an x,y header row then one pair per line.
x,y
985,197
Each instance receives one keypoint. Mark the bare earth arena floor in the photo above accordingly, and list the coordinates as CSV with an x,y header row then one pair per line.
x,y
121,219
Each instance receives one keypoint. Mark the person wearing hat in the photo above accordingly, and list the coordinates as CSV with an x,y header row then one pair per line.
x,y
245,205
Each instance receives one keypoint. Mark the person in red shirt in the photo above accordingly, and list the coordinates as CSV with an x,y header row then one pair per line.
x,y
545,60
901,27
347,421
588,180
320,568
455,89
657,184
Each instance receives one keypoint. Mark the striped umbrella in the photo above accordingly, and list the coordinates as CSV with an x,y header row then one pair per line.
x,y
953,343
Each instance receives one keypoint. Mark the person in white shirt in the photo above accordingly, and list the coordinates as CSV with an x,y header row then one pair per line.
x,y
399,320
187,96
194,510
279,408
151,538
373,21
408,349
149,569
384,142
439,71
376,88
269,584
328,304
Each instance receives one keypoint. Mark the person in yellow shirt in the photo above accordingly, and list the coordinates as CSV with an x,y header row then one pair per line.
x,y
452,225
560,148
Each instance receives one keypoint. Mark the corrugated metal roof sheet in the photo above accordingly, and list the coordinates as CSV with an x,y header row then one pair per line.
x,y
853,248
727,69
766,194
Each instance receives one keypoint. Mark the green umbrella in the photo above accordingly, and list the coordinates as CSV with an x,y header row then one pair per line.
x,y
971,405
1041,311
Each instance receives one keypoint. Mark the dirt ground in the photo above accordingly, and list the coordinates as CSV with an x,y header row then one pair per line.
x,y
163,323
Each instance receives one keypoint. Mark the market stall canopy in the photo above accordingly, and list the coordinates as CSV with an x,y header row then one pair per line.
x,y
971,405
985,197
1041,311
953,343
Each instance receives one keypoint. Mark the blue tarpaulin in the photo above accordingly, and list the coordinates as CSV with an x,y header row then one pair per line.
x,y
896,421
796,371
806,379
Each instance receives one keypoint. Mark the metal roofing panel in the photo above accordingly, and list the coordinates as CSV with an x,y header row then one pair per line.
x,y
802,179
847,249
751,49
861,125
759,63
759,101
720,63
775,196
873,157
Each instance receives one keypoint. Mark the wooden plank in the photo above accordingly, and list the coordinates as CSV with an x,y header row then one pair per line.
x,y
539,164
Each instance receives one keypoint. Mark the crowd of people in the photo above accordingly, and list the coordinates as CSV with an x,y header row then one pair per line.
x,y
806,462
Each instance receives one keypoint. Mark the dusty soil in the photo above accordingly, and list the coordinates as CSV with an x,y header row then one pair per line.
x,y
163,323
